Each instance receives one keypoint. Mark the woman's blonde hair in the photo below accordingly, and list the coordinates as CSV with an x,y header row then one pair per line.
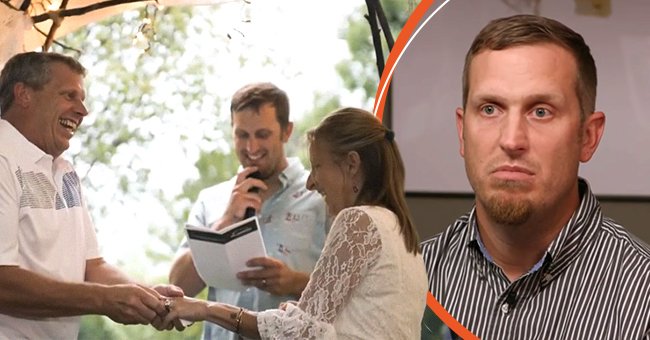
x,y
350,129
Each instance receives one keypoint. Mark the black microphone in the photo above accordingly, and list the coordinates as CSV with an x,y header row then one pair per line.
x,y
250,211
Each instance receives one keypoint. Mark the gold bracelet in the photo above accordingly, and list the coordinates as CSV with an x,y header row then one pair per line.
x,y
238,319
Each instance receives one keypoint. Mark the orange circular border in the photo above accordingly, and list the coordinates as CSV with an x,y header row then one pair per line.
x,y
380,100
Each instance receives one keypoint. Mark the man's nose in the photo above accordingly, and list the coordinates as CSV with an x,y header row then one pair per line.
x,y
81,109
513,137
310,185
252,145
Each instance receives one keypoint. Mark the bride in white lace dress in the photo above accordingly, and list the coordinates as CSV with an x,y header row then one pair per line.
x,y
370,281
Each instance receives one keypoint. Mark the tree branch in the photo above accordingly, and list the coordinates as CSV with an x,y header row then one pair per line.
x,y
376,38
384,25
25,5
66,47
81,10
8,4
58,15
56,23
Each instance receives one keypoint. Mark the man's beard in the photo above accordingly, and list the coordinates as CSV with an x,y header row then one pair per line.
x,y
506,208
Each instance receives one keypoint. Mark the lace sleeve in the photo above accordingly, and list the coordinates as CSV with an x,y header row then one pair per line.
x,y
352,248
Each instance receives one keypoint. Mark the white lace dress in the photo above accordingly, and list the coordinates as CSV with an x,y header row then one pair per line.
x,y
365,285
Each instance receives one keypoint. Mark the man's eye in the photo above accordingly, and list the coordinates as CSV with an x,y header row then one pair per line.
x,y
541,112
263,135
488,109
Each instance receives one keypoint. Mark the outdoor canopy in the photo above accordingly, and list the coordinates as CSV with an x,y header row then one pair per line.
x,y
19,33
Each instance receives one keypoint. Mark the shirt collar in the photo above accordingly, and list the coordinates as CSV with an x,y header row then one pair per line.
x,y
26,150
292,172
581,228
486,254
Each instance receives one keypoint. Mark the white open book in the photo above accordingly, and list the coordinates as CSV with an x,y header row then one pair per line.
x,y
220,255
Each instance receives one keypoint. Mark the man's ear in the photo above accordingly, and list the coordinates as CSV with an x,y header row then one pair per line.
x,y
286,132
22,94
459,128
592,132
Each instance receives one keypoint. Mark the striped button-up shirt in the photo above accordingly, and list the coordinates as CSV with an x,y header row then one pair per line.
x,y
593,283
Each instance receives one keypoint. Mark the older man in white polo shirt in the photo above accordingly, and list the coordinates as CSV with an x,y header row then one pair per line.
x,y
50,268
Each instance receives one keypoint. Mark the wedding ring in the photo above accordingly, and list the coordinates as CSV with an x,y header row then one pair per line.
x,y
168,303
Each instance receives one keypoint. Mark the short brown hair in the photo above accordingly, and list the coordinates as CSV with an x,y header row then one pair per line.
x,y
33,70
520,30
252,96
350,129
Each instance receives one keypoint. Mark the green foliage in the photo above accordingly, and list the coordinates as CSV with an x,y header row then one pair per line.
x,y
214,166
96,327
361,71
130,103
297,145
102,328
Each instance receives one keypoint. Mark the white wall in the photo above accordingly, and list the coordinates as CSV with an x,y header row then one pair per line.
x,y
427,89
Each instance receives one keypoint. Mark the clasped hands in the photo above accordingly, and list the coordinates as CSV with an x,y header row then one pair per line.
x,y
174,310
136,304
166,294
270,274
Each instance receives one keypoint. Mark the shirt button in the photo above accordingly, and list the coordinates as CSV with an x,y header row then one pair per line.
x,y
505,308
